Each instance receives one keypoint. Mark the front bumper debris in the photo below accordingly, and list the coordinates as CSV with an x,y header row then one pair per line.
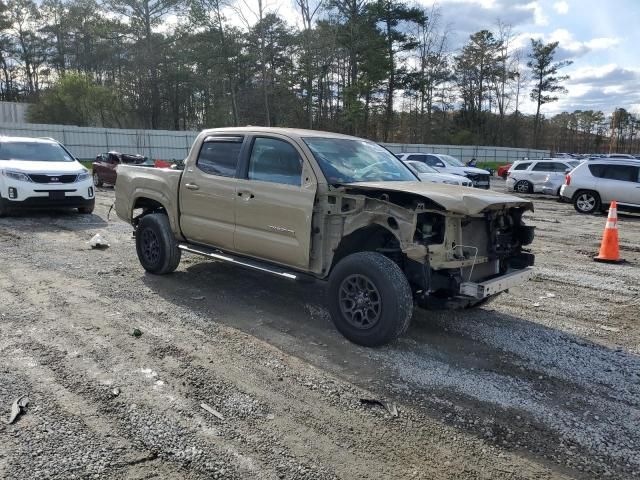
x,y
496,285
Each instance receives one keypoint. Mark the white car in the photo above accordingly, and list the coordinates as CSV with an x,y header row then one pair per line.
x,y
428,174
447,164
539,176
41,173
594,184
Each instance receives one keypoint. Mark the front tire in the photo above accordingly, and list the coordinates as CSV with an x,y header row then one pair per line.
x,y
156,246
88,209
370,299
97,181
586,201
3,207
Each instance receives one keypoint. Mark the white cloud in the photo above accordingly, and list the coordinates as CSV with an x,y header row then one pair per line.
x,y
539,17
561,7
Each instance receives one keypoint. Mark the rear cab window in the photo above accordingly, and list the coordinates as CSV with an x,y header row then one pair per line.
x,y
220,155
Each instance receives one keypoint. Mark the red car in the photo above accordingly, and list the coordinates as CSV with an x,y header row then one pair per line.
x,y
105,165
502,171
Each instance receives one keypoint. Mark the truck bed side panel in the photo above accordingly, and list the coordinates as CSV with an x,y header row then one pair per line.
x,y
158,184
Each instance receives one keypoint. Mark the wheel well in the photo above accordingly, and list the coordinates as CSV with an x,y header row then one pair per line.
x,y
372,238
583,190
147,205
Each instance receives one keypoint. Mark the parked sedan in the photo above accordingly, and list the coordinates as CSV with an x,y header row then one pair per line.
x,y
450,165
428,174
503,170
106,164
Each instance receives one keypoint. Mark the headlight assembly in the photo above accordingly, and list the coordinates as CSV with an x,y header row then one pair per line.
x,y
83,176
21,177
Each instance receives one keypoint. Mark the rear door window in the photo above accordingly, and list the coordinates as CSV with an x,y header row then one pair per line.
x,y
219,156
549,167
419,158
276,161
625,173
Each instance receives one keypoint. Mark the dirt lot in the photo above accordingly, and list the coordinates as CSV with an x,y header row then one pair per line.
x,y
542,383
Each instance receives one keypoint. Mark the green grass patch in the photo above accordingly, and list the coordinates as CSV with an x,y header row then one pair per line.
x,y
87,164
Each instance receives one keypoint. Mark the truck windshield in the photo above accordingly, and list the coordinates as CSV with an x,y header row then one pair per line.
x,y
345,160
34,151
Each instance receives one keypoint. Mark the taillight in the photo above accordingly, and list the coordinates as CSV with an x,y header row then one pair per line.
x,y
567,179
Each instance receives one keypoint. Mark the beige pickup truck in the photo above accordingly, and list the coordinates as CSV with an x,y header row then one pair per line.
x,y
335,209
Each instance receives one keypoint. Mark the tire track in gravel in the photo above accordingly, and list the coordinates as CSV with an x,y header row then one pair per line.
x,y
313,417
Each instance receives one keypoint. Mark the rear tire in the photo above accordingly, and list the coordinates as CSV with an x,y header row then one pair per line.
x,y
523,186
156,246
370,299
586,201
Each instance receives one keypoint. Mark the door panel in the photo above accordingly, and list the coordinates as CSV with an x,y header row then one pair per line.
x,y
110,171
274,206
620,183
208,194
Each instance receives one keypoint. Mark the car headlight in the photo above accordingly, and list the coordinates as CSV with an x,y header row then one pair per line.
x,y
83,176
21,177
451,182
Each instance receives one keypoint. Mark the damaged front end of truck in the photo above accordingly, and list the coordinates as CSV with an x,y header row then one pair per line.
x,y
457,246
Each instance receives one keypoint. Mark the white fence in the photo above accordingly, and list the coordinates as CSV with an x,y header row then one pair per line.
x,y
87,142
12,112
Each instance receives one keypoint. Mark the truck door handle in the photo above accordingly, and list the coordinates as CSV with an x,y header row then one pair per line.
x,y
247,194
191,186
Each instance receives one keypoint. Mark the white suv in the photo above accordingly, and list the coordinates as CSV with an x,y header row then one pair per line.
x,y
448,164
595,183
539,176
41,173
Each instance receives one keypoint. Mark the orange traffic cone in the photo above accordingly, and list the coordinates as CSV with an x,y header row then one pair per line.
x,y
609,251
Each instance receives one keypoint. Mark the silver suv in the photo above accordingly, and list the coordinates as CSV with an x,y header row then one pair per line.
x,y
594,184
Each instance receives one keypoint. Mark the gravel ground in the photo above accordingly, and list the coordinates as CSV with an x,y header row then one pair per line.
x,y
544,382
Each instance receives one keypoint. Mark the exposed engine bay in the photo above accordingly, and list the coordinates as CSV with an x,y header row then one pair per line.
x,y
438,249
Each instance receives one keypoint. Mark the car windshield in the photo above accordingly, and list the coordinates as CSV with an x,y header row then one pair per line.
x,y
345,160
34,151
422,167
451,161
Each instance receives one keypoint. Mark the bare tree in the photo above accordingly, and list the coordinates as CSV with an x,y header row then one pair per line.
x,y
308,10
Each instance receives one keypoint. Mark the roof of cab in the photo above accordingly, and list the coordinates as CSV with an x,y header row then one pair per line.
x,y
289,132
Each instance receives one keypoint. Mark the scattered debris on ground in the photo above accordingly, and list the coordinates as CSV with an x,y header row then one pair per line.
x,y
508,391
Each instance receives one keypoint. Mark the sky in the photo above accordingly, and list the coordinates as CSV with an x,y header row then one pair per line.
x,y
602,37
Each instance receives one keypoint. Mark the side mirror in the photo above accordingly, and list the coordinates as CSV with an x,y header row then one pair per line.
x,y
439,164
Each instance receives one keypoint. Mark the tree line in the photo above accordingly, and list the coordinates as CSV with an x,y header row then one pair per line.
x,y
381,69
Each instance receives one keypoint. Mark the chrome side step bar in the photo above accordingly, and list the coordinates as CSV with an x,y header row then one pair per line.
x,y
244,262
